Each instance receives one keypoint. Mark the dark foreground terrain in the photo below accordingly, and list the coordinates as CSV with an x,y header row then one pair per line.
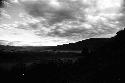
x,y
90,61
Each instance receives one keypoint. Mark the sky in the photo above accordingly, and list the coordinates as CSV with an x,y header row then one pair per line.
x,y
16,29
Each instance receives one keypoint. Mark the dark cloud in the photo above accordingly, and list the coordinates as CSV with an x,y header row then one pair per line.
x,y
61,16
42,10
